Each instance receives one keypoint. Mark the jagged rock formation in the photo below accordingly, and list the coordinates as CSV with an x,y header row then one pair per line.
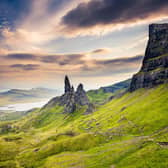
x,y
71,99
154,69
68,100
80,96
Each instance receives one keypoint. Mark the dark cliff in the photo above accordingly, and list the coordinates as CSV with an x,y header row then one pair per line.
x,y
154,68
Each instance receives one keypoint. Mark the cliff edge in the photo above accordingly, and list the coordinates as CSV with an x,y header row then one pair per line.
x,y
154,70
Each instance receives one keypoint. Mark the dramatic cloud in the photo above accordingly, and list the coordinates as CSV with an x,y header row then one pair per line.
x,y
26,67
47,69
36,38
68,59
105,67
76,63
21,56
120,61
12,10
102,12
31,32
71,18
60,59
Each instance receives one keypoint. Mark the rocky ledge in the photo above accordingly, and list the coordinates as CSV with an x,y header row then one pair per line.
x,y
154,68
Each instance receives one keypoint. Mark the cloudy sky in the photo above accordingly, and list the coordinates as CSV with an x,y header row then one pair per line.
x,y
96,42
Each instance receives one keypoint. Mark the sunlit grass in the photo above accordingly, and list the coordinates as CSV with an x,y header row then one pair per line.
x,y
123,133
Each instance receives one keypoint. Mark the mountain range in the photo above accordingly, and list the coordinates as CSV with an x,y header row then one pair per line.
x,y
127,128
19,95
103,94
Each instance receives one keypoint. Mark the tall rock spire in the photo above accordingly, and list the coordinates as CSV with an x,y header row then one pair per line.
x,y
67,84
70,100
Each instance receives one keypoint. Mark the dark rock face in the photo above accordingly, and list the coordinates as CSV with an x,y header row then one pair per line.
x,y
158,41
67,84
154,69
80,96
70,104
70,99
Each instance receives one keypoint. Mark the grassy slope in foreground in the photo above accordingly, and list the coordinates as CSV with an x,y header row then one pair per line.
x,y
123,133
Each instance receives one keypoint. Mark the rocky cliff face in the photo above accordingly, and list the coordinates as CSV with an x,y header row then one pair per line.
x,y
71,99
80,96
154,69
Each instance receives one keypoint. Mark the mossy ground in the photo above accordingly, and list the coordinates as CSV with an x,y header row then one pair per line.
x,y
123,133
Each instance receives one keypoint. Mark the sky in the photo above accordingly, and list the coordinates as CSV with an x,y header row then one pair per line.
x,y
94,42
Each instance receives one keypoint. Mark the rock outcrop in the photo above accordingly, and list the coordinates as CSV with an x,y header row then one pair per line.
x,y
71,99
80,96
154,68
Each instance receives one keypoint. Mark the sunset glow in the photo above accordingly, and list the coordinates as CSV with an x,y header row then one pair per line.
x,y
41,41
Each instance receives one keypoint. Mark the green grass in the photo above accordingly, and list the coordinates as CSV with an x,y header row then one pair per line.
x,y
98,96
103,94
123,133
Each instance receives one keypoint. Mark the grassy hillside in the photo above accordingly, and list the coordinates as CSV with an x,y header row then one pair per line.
x,y
126,132
103,94
9,116
98,96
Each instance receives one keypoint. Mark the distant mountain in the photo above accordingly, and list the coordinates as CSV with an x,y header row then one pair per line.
x,y
34,92
102,94
19,95
117,86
